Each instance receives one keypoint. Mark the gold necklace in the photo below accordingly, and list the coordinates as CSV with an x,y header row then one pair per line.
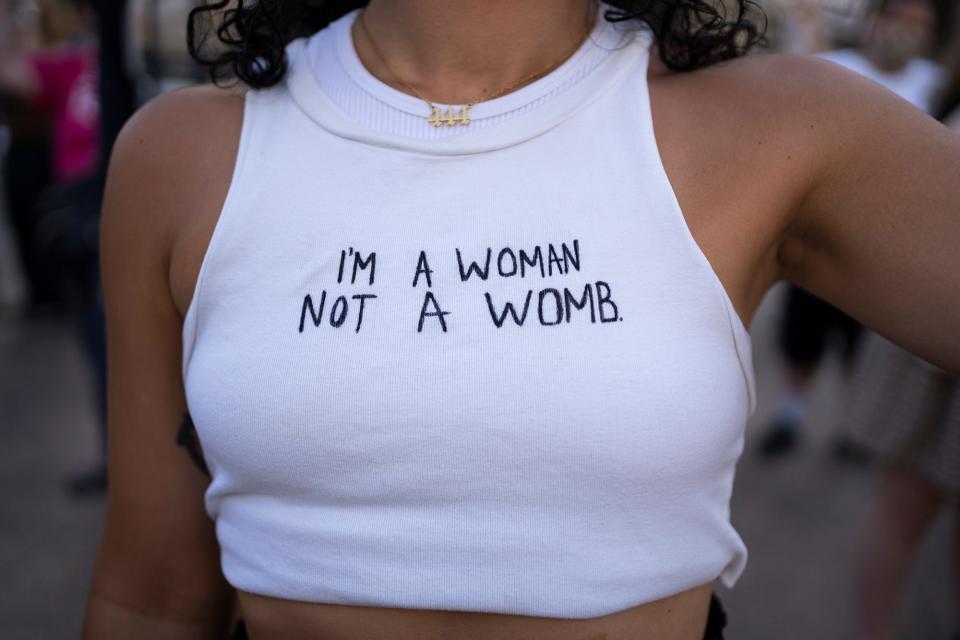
x,y
461,116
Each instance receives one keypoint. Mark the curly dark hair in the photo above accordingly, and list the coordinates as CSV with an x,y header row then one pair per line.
x,y
251,35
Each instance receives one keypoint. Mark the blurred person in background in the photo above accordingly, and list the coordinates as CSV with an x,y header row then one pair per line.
x,y
906,412
28,165
142,52
58,84
896,51
117,102
798,26
157,53
892,53
59,81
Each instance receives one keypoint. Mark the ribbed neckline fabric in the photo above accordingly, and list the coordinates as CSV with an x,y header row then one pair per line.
x,y
330,83
343,77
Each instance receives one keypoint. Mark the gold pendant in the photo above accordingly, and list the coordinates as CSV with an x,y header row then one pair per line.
x,y
449,117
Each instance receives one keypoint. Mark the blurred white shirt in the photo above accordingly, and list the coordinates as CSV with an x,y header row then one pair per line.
x,y
917,82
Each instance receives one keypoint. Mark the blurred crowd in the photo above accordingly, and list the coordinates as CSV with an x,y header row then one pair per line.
x,y
72,71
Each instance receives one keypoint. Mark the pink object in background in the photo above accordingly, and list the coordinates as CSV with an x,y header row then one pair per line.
x,y
68,91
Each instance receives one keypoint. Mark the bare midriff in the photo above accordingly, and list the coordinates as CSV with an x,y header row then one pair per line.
x,y
681,616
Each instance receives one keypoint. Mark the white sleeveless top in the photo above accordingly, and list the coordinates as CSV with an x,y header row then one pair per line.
x,y
489,371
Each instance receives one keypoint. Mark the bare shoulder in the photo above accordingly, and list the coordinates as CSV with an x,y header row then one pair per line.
x,y
191,111
809,98
182,128
173,155
761,89
820,120
746,140
170,171
753,121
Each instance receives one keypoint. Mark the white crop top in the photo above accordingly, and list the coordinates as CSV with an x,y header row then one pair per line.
x,y
490,372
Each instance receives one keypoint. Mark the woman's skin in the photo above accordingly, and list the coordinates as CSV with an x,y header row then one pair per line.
x,y
785,167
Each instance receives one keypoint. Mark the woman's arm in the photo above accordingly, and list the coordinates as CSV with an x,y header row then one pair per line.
x,y
878,231
157,573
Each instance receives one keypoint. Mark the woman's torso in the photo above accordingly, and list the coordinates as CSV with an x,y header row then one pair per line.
x,y
678,617
733,213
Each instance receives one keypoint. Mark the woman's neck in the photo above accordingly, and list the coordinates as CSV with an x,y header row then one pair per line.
x,y
454,51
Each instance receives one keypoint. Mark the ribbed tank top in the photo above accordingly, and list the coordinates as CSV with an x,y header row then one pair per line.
x,y
489,372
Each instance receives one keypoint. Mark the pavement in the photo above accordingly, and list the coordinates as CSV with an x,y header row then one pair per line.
x,y
798,515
